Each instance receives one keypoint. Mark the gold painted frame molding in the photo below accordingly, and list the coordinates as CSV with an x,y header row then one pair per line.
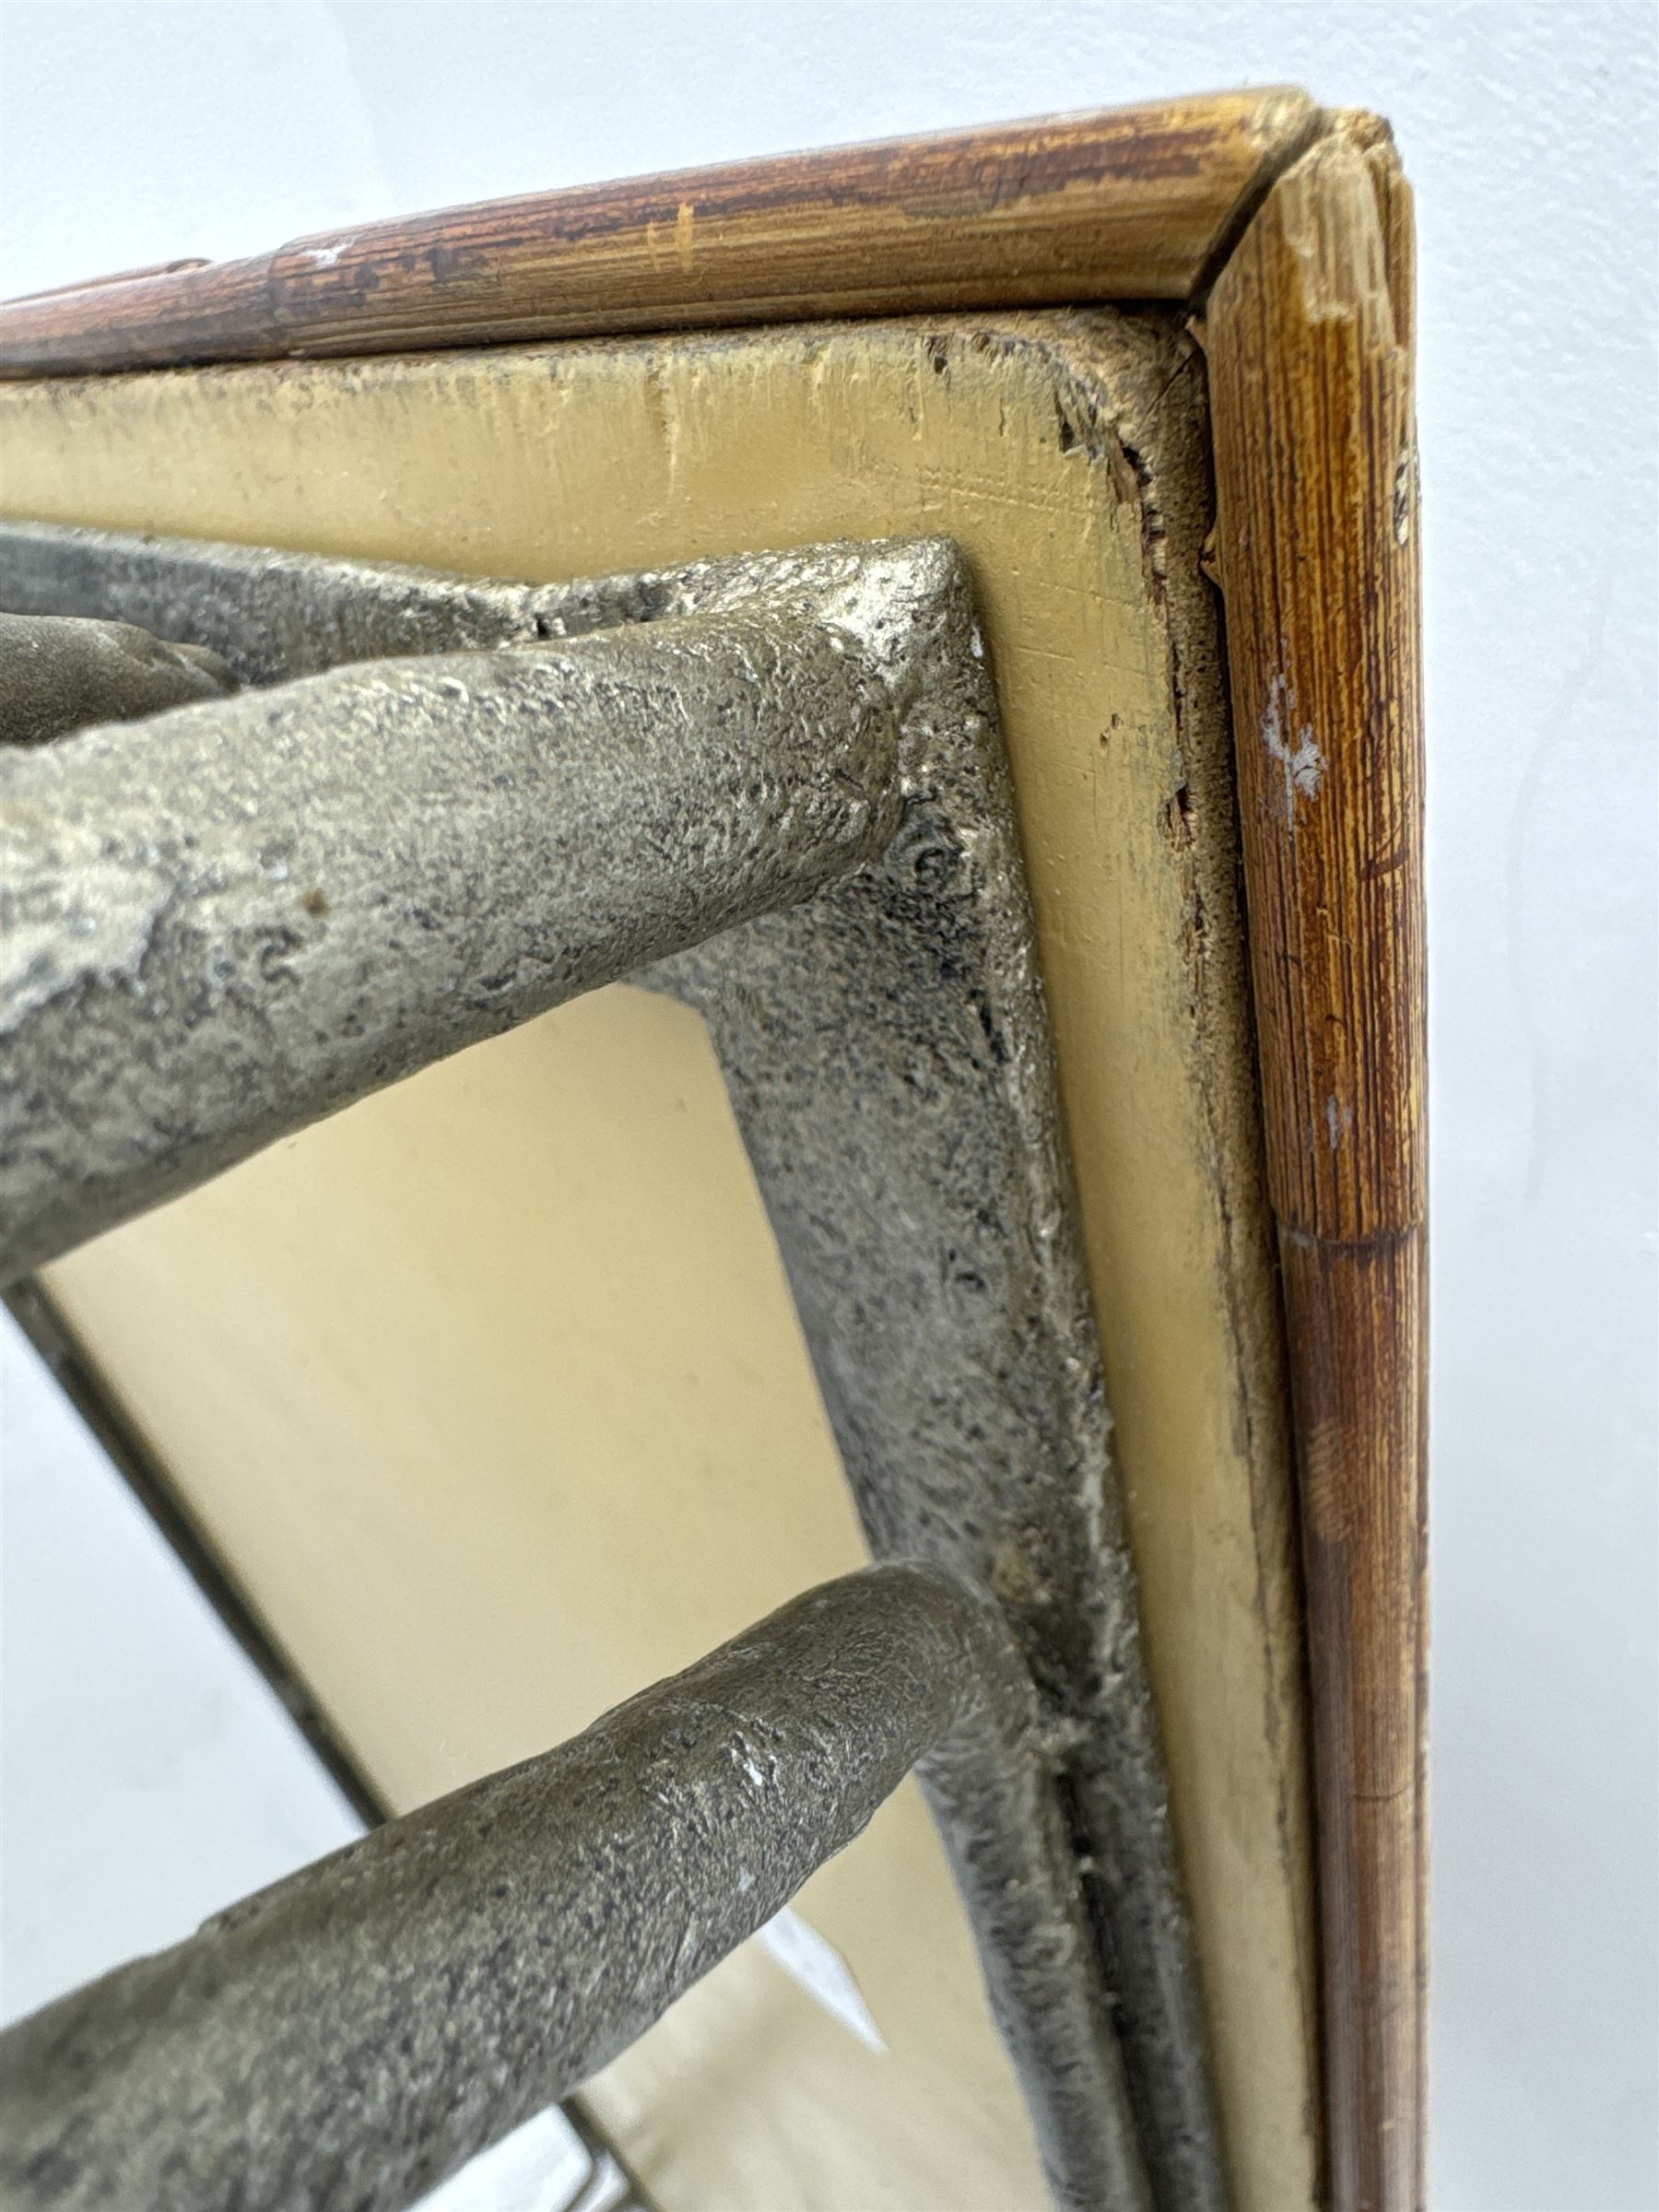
x,y
1287,232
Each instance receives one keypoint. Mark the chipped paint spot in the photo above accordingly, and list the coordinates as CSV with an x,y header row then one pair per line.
x,y
324,257
1302,762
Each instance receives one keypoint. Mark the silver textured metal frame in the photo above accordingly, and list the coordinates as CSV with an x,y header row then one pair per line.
x,y
780,783
409,2001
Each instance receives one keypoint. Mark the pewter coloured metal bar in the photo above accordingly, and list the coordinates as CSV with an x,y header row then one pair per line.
x,y
409,2001
238,917
875,1005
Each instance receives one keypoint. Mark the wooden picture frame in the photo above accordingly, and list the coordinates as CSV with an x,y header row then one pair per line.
x,y
1281,234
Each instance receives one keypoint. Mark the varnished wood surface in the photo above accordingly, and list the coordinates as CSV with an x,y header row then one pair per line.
x,y
1310,337
1122,204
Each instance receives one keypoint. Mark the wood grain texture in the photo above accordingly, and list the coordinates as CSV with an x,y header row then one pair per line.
x,y
1127,203
1309,340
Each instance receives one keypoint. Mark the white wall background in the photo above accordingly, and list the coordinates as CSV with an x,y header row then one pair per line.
x,y
135,132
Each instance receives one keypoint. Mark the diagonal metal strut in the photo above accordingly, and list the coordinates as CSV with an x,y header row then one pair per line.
x,y
236,917
409,2001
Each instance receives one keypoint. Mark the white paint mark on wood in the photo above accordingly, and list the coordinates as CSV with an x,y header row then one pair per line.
x,y
1302,762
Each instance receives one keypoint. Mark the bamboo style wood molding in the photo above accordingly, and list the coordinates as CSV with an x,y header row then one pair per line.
x,y
1297,225
1310,341
1124,204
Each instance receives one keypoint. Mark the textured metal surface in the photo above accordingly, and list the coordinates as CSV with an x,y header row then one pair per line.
x,y
271,615
249,914
888,1057
58,673
354,2034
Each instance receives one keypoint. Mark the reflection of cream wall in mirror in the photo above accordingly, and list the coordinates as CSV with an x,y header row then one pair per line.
x,y
1067,454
